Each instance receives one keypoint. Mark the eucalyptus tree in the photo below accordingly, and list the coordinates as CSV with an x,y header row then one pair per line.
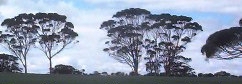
x,y
224,44
19,36
167,37
55,34
125,33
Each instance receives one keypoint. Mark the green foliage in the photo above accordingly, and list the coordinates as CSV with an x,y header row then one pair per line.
x,y
66,69
181,68
8,63
131,13
222,74
224,44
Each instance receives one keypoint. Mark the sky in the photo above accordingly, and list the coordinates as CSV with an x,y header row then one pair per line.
x,y
87,16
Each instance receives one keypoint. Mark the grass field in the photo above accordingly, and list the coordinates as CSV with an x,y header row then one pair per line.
x,y
77,79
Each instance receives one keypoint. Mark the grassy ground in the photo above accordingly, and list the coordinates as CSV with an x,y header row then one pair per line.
x,y
77,79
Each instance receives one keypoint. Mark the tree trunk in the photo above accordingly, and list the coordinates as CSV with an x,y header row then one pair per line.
x,y
136,70
136,67
168,66
25,66
50,67
167,69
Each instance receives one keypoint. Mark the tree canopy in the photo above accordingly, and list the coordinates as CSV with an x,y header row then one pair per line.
x,y
224,44
66,69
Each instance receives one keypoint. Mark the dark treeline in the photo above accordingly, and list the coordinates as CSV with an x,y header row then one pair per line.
x,y
134,35
67,69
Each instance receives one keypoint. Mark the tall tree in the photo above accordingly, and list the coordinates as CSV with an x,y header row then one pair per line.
x,y
8,63
19,36
54,33
167,37
224,44
125,34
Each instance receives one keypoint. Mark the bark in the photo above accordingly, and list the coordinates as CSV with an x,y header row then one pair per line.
x,y
50,67
136,67
25,66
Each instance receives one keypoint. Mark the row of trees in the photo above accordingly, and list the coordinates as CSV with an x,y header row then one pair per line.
x,y
67,69
217,74
133,32
48,32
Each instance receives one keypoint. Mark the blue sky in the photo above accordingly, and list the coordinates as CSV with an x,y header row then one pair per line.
x,y
87,16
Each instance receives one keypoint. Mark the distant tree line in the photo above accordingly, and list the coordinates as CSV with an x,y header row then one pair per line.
x,y
67,69
217,74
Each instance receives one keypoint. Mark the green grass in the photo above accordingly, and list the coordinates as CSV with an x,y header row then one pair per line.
x,y
77,79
